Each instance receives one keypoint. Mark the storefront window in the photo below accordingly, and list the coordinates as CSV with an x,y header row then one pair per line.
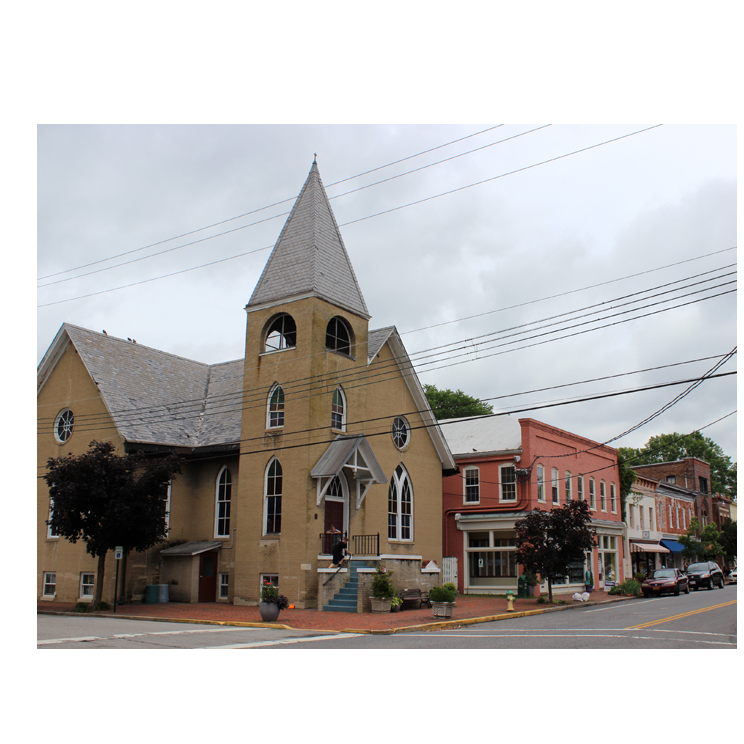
x,y
491,559
608,558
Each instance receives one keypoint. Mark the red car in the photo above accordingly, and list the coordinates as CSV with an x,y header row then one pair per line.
x,y
665,580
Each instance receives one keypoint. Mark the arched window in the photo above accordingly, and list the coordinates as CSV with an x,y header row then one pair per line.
x,y
338,336
338,410
63,425
275,414
400,506
273,498
281,333
223,499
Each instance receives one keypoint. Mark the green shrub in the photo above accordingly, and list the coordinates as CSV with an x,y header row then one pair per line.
x,y
441,594
101,607
629,586
449,585
640,577
82,607
382,585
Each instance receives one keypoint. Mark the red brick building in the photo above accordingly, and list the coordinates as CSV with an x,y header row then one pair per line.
x,y
692,474
509,467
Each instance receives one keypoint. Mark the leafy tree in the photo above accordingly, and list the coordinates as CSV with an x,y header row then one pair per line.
x,y
448,404
109,500
728,540
670,447
548,541
700,542
627,478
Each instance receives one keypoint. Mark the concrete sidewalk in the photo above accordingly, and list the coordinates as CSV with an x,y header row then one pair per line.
x,y
468,609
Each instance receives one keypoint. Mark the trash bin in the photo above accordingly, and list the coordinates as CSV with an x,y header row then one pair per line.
x,y
151,594
163,593
522,587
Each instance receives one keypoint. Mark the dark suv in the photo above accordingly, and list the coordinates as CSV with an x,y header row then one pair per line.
x,y
705,574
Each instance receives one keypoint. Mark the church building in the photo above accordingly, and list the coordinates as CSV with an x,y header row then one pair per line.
x,y
323,429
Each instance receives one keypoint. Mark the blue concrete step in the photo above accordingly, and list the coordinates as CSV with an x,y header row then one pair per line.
x,y
345,600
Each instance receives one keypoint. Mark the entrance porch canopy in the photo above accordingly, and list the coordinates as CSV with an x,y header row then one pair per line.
x,y
355,454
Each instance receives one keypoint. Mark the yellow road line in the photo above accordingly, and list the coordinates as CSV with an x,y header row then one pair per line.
x,y
677,617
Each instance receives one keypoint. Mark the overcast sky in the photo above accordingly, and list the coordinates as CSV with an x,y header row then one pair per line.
x,y
528,226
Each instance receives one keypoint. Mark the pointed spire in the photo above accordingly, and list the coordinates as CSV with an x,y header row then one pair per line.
x,y
310,258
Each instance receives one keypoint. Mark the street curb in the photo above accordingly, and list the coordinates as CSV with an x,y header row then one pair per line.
x,y
364,631
485,619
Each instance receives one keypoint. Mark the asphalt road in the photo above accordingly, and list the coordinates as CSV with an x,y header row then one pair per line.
x,y
703,619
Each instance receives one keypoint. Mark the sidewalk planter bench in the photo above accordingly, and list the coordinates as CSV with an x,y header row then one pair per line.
x,y
416,595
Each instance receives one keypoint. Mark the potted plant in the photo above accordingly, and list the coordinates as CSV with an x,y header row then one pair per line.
x,y
442,601
271,603
395,604
383,590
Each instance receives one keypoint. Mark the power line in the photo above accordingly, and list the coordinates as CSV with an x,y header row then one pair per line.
x,y
406,368
391,367
260,209
404,206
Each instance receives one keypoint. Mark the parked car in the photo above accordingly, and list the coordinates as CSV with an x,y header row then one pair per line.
x,y
732,576
705,574
665,580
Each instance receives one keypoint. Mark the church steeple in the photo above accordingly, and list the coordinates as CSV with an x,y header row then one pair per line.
x,y
309,258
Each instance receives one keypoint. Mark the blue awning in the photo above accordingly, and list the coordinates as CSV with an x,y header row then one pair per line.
x,y
673,546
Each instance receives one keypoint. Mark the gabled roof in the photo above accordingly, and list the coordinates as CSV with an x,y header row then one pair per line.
x,y
154,397
376,341
482,434
340,453
310,259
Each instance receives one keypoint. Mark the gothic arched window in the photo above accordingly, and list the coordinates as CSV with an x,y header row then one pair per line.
x,y
275,413
281,333
338,336
338,410
273,498
222,504
400,506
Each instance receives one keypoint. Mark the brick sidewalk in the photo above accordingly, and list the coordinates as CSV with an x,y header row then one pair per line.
x,y
468,608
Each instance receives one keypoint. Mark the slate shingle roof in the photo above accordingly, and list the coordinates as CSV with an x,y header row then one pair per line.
x,y
160,398
310,257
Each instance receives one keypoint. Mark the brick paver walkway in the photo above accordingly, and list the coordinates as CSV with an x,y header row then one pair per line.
x,y
468,609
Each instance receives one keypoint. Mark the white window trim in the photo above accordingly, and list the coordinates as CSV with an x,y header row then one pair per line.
x,y
92,584
502,500
567,483
399,501
580,488
555,487
340,390
269,425
223,585
465,500
44,584
592,494
70,430
602,496
613,498
541,483
405,444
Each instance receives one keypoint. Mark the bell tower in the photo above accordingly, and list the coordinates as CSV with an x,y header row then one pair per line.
x,y
305,358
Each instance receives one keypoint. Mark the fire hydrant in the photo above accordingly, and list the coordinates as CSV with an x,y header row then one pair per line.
x,y
510,601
